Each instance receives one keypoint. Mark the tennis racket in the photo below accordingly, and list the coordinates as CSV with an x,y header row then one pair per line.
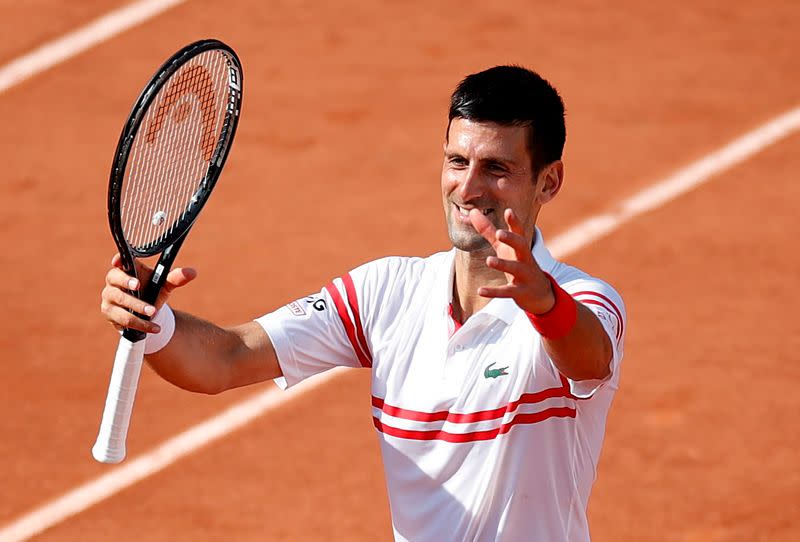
x,y
169,157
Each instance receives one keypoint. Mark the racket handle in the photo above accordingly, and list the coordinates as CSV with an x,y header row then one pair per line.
x,y
110,445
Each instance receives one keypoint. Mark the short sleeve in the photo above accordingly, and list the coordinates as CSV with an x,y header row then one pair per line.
x,y
607,305
319,332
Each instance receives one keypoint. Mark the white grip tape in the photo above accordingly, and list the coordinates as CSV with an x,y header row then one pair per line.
x,y
110,445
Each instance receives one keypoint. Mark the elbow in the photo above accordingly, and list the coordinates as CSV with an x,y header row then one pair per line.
x,y
600,369
608,356
597,367
221,381
205,387
207,390
598,372
594,364
604,371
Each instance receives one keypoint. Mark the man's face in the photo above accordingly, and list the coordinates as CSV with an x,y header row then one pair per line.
x,y
486,166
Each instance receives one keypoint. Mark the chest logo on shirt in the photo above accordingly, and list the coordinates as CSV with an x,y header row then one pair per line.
x,y
494,373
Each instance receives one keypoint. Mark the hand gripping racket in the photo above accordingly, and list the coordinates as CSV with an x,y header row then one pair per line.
x,y
169,157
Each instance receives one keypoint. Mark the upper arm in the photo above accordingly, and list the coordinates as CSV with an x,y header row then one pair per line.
x,y
331,328
606,304
601,300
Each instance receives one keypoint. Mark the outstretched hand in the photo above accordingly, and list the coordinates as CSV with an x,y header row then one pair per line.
x,y
116,298
527,284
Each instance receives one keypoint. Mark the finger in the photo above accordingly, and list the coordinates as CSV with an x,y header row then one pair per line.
x,y
177,278
483,226
120,279
513,222
518,244
114,297
508,290
120,317
518,270
116,260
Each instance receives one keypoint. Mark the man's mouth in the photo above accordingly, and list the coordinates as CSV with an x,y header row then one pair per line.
x,y
463,212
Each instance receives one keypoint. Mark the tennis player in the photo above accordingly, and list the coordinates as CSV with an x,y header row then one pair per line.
x,y
493,364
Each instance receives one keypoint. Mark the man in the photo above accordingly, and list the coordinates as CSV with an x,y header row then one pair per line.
x,y
493,365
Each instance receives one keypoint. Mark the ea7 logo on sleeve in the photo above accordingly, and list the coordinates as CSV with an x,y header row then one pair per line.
x,y
296,308
494,373
605,317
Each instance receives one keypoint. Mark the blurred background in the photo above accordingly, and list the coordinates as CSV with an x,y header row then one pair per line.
x,y
336,162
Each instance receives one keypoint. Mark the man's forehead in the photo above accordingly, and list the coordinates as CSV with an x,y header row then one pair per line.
x,y
483,137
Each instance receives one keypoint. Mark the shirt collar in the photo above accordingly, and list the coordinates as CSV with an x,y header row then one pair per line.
x,y
541,254
500,308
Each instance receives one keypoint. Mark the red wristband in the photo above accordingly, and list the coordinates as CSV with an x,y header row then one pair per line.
x,y
560,319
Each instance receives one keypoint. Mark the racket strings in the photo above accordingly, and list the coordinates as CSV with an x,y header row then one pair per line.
x,y
168,154
173,150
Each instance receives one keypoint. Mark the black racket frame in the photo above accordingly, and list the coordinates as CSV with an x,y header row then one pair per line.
x,y
168,247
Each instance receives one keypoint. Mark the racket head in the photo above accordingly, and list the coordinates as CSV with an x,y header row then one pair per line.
x,y
172,148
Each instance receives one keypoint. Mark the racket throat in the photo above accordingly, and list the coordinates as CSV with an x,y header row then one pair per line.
x,y
153,286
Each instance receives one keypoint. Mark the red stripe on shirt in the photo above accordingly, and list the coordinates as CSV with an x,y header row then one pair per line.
x,y
600,303
489,434
352,299
471,417
347,323
456,324
604,298
613,309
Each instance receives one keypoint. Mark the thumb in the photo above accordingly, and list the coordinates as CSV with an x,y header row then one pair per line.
x,y
177,278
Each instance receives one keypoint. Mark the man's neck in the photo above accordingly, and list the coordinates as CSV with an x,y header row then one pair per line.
x,y
471,273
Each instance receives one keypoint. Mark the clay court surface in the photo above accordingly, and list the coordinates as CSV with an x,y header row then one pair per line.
x,y
337,162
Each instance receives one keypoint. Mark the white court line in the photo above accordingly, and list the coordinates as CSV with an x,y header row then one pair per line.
x,y
74,43
678,183
103,487
573,239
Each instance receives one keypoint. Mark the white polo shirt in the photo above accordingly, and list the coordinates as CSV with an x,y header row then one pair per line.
x,y
482,438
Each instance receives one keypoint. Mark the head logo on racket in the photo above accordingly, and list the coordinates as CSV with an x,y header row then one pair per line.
x,y
191,81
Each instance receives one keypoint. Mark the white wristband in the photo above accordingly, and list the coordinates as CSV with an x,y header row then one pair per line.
x,y
165,318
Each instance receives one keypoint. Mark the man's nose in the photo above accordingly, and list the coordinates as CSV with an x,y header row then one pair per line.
x,y
472,184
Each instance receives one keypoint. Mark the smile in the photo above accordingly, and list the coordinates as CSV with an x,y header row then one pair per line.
x,y
464,212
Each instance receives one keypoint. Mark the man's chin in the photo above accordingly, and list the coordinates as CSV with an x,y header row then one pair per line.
x,y
466,242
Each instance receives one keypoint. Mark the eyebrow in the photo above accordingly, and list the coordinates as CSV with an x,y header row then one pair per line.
x,y
506,162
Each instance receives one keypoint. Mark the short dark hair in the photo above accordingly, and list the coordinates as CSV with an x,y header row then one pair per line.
x,y
514,96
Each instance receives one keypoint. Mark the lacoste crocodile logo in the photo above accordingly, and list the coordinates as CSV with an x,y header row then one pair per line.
x,y
494,373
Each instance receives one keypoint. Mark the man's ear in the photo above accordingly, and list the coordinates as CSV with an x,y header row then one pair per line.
x,y
549,182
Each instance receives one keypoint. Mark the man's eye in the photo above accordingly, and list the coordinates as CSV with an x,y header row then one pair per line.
x,y
457,161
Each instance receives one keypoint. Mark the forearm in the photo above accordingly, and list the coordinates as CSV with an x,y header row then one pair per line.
x,y
585,353
206,358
